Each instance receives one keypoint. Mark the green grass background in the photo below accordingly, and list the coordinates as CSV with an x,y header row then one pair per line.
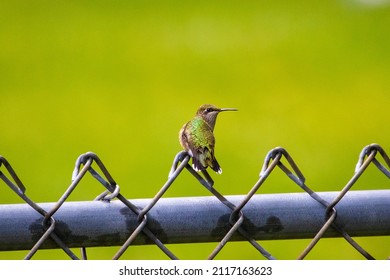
x,y
119,78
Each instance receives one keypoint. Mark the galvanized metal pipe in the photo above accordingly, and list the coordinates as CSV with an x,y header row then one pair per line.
x,y
196,219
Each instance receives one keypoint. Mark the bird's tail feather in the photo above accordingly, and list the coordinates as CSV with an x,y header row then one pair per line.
x,y
202,161
197,165
215,166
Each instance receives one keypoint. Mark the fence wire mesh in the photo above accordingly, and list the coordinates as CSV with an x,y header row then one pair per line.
x,y
276,158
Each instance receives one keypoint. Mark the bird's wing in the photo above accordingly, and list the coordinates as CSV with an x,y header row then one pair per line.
x,y
200,143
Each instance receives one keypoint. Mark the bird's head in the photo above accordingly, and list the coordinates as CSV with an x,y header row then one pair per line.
x,y
209,113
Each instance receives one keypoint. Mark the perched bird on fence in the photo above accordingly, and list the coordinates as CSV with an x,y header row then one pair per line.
x,y
197,137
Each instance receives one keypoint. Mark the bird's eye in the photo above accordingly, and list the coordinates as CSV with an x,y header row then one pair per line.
x,y
208,110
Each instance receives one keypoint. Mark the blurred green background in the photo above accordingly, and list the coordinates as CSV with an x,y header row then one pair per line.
x,y
120,78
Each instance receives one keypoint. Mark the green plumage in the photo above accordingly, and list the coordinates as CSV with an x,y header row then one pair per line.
x,y
197,138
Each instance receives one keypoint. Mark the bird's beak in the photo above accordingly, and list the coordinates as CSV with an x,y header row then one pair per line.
x,y
228,109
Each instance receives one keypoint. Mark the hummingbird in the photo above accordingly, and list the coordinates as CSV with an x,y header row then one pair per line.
x,y
197,137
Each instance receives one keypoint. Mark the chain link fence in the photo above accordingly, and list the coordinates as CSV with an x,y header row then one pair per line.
x,y
49,231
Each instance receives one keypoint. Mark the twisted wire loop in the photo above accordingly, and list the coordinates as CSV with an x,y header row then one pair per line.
x,y
273,159
366,157
48,225
183,158
113,191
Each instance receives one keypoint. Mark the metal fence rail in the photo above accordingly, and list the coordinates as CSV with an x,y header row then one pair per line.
x,y
112,219
196,219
